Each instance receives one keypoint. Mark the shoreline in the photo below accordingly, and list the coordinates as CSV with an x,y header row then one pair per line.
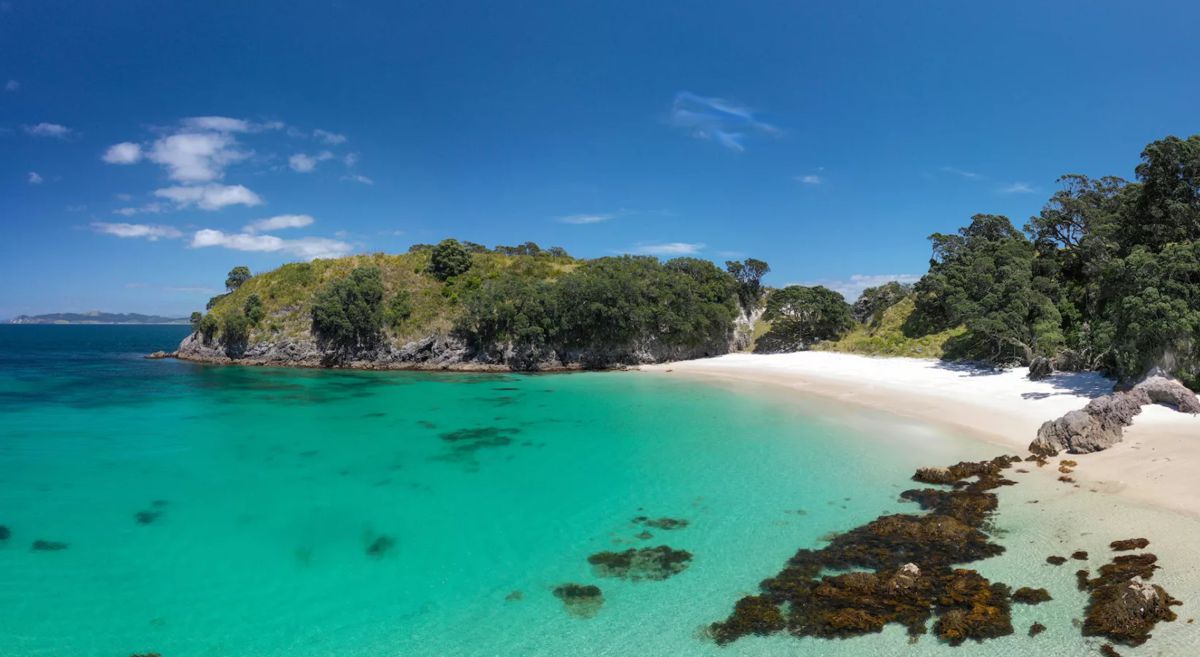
x,y
1154,464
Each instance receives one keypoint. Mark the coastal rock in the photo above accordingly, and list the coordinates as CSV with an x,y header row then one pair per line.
x,y
1040,368
1036,629
1055,560
1122,606
1029,596
1100,424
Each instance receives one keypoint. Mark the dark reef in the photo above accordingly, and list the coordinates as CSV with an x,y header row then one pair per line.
x,y
1129,544
48,546
1122,606
913,577
656,563
1028,596
581,600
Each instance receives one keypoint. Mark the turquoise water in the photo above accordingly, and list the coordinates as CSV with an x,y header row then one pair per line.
x,y
266,489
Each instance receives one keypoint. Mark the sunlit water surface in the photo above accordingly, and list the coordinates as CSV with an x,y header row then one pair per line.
x,y
264,490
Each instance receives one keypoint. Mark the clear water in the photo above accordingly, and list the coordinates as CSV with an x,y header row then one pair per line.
x,y
273,484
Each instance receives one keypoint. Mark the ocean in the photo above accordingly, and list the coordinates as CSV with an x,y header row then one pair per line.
x,y
213,510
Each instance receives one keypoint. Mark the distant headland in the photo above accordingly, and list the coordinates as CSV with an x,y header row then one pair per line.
x,y
95,317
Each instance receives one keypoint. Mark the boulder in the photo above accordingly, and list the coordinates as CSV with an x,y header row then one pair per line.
x,y
1040,368
1077,432
1169,392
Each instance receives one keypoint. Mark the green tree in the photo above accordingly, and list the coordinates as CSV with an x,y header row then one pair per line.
x,y
399,308
235,332
207,328
236,277
449,258
982,277
748,274
874,300
253,309
347,314
195,320
801,316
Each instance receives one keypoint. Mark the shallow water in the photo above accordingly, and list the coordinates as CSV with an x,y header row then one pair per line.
x,y
267,493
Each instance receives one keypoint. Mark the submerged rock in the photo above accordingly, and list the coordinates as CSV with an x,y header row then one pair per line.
x,y
656,563
48,546
662,523
1122,606
1030,596
1129,544
5,533
912,560
580,600
380,546
1055,560
1036,629
1079,555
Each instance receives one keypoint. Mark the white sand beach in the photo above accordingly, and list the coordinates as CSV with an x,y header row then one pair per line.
x,y
1156,463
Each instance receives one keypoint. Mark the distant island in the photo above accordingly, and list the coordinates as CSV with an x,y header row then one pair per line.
x,y
96,317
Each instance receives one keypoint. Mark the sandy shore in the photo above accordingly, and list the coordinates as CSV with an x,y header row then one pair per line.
x,y
1156,463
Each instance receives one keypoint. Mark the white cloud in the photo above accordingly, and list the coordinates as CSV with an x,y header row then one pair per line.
x,y
149,208
331,138
810,179
853,287
358,177
969,175
12,85
34,178
123,197
307,248
307,163
716,119
209,197
579,219
216,124
147,231
125,152
280,222
196,156
351,159
1018,188
48,130
669,248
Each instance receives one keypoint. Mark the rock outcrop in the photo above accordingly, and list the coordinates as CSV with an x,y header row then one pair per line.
x,y
1040,368
1101,423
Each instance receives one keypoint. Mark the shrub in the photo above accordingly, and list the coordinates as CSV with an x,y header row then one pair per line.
x,y
347,313
254,309
236,277
449,258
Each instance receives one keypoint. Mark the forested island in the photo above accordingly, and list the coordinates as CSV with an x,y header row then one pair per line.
x,y
96,317
1106,277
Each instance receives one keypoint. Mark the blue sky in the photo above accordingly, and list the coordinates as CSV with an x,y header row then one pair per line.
x,y
147,147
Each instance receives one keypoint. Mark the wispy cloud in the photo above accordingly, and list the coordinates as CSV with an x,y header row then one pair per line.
x,y
12,85
1018,188
149,208
34,178
227,124
969,175
716,119
307,248
668,248
125,152
280,222
143,231
331,138
580,219
359,178
852,287
190,289
209,197
810,179
48,130
304,163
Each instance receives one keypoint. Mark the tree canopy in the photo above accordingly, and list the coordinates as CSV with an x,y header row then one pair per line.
x,y
801,316
448,259
347,314
236,277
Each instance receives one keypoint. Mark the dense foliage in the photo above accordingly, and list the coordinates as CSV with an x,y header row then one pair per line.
x,y
802,316
874,300
1106,276
603,309
449,258
253,309
748,274
347,314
